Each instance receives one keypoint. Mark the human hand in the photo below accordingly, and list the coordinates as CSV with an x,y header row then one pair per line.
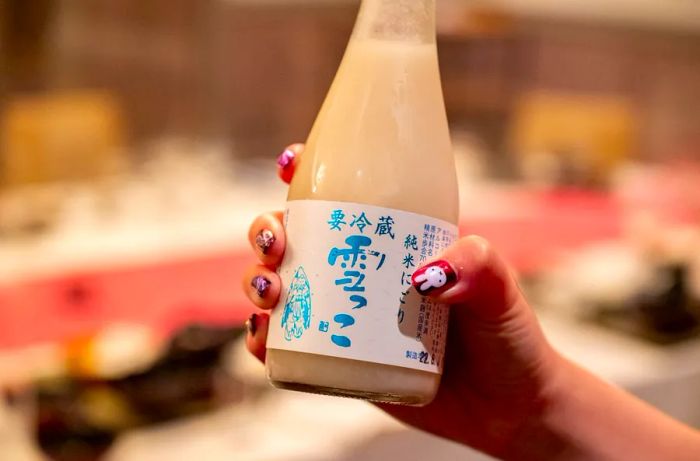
x,y
498,364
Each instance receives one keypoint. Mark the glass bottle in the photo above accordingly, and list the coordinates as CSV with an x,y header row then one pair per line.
x,y
374,196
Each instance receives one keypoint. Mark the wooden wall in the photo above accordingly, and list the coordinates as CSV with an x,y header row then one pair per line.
x,y
255,74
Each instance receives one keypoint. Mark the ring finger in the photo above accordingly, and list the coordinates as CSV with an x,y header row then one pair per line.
x,y
262,286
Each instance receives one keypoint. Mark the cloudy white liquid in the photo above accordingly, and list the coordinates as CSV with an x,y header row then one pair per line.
x,y
380,139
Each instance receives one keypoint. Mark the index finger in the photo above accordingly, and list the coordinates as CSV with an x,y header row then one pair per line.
x,y
288,160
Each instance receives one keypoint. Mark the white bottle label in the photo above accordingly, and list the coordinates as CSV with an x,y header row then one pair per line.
x,y
347,291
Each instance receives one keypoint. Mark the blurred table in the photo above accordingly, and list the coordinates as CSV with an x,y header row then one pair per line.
x,y
168,273
349,430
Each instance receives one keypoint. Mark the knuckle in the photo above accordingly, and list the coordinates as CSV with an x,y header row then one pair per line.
x,y
482,248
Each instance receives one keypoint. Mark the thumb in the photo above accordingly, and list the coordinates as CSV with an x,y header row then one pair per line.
x,y
493,329
470,272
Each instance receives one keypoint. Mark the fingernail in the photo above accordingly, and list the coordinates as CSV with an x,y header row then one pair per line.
x,y
286,158
438,275
261,285
264,240
252,324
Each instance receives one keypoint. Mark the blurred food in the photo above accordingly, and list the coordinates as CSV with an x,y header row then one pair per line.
x,y
666,311
80,415
116,351
647,288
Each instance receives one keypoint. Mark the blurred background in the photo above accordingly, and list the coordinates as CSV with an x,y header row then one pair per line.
x,y
137,141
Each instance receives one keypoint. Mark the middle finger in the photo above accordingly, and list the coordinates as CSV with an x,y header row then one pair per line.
x,y
267,237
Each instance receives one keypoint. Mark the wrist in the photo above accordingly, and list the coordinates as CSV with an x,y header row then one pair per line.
x,y
583,417
541,435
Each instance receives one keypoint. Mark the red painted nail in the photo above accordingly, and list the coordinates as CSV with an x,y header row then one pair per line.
x,y
438,275
286,158
252,324
286,165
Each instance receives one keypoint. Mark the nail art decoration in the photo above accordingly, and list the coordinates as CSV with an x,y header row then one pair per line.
x,y
261,285
434,276
252,324
286,158
264,240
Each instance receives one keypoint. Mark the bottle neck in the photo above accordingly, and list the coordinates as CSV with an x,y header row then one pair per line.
x,y
396,20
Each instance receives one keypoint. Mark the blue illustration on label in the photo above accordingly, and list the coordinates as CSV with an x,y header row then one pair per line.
x,y
296,317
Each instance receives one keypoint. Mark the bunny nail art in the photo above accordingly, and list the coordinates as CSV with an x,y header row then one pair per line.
x,y
434,276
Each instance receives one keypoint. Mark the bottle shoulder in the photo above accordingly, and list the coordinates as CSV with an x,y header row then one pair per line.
x,y
430,191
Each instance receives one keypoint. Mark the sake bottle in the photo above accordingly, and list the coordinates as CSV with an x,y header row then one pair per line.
x,y
373,198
